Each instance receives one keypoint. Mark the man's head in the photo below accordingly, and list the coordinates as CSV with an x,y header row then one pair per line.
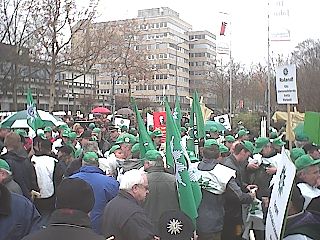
x,y
156,136
135,150
85,137
263,146
214,133
211,149
65,152
48,132
75,194
243,134
114,133
126,141
90,159
152,158
243,150
117,151
308,169
12,141
135,182
5,170
312,150
4,132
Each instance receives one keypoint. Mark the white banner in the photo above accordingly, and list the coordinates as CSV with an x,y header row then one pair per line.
x,y
282,184
224,120
286,84
121,121
279,20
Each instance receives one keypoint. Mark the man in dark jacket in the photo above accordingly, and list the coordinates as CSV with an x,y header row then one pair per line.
x,y
6,178
70,220
215,180
22,169
163,194
18,216
104,187
233,207
123,216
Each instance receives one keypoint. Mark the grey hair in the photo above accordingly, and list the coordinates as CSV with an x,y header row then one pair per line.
x,y
90,146
131,178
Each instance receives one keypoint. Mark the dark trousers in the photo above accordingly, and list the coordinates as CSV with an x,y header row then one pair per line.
x,y
231,231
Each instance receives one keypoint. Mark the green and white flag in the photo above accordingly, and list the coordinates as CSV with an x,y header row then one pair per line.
x,y
196,123
174,154
145,141
33,118
177,114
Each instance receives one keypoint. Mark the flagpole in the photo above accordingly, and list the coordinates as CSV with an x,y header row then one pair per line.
x,y
231,66
268,75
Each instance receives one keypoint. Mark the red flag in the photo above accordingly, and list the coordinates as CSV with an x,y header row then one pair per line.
x,y
223,28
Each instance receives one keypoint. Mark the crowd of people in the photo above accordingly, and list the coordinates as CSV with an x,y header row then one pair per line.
x,y
90,182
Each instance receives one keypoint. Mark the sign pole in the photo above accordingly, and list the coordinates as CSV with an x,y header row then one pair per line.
x,y
289,122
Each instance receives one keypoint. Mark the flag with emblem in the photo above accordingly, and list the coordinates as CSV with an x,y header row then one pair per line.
x,y
145,141
175,158
33,118
196,123
177,114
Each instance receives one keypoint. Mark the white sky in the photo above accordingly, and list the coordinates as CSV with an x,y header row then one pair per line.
x,y
248,17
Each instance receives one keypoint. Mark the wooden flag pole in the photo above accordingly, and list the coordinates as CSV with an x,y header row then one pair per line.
x,y
289,122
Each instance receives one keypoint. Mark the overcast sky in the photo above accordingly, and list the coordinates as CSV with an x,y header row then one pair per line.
x,y
248,20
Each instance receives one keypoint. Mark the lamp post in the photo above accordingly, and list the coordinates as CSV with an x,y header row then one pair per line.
x,y
113,98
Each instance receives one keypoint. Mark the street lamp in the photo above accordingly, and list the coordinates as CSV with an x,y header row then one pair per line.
x,y
113,97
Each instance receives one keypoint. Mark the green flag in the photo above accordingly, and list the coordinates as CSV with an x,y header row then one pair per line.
x,y
33,118
175,154
196,123
177,114
145,141
312,126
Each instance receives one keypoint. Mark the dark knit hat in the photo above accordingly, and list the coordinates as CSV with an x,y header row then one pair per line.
x,y
74,193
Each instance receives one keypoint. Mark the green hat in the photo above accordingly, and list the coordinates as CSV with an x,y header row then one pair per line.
x,y
242,132
41,134
113,148
66,133
47,129
21,132
278,142
135,148
305,161
223,148
126,138
230,138
63,126
260,143
152,155
295,153
96,130
273,135
91,126
157,133
248,145
90,157
213,129
132,130
72,135
4,165
300,136
192,156
209,142
183,129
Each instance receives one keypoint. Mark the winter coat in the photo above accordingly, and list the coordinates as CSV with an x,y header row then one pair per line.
x,y
66,224
162,194
12,186
104,188
22,171
125,219
18,216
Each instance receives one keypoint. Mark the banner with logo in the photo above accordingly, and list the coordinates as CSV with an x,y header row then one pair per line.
x,y
159,121
224,120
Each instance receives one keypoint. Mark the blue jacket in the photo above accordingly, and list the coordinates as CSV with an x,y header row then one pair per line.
x,y
18,216
104,188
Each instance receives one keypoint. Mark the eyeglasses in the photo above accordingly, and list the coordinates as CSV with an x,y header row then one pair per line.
x,y
146,188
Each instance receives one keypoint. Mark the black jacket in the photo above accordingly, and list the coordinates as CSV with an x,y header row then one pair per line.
x,y
22,171
66,224
125,219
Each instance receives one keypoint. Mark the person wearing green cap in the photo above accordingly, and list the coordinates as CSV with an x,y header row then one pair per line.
x,y
162,188
242,135
156,137
7,179
112,162
48,134
308,179
215,180
224,152
233,213
277,144
295,153
91,126
229,141
214,133
104,187
126,141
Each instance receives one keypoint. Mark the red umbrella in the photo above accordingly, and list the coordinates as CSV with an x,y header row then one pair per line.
x,y
100,110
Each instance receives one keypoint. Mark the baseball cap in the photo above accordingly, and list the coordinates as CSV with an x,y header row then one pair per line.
x,y
305,161
209,142
260,143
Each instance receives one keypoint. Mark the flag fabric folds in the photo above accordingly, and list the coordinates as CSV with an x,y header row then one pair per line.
x,y
177,114
33,118
223,28
145,142
175,156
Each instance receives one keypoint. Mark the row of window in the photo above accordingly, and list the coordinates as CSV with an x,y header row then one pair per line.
x,y
153,25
